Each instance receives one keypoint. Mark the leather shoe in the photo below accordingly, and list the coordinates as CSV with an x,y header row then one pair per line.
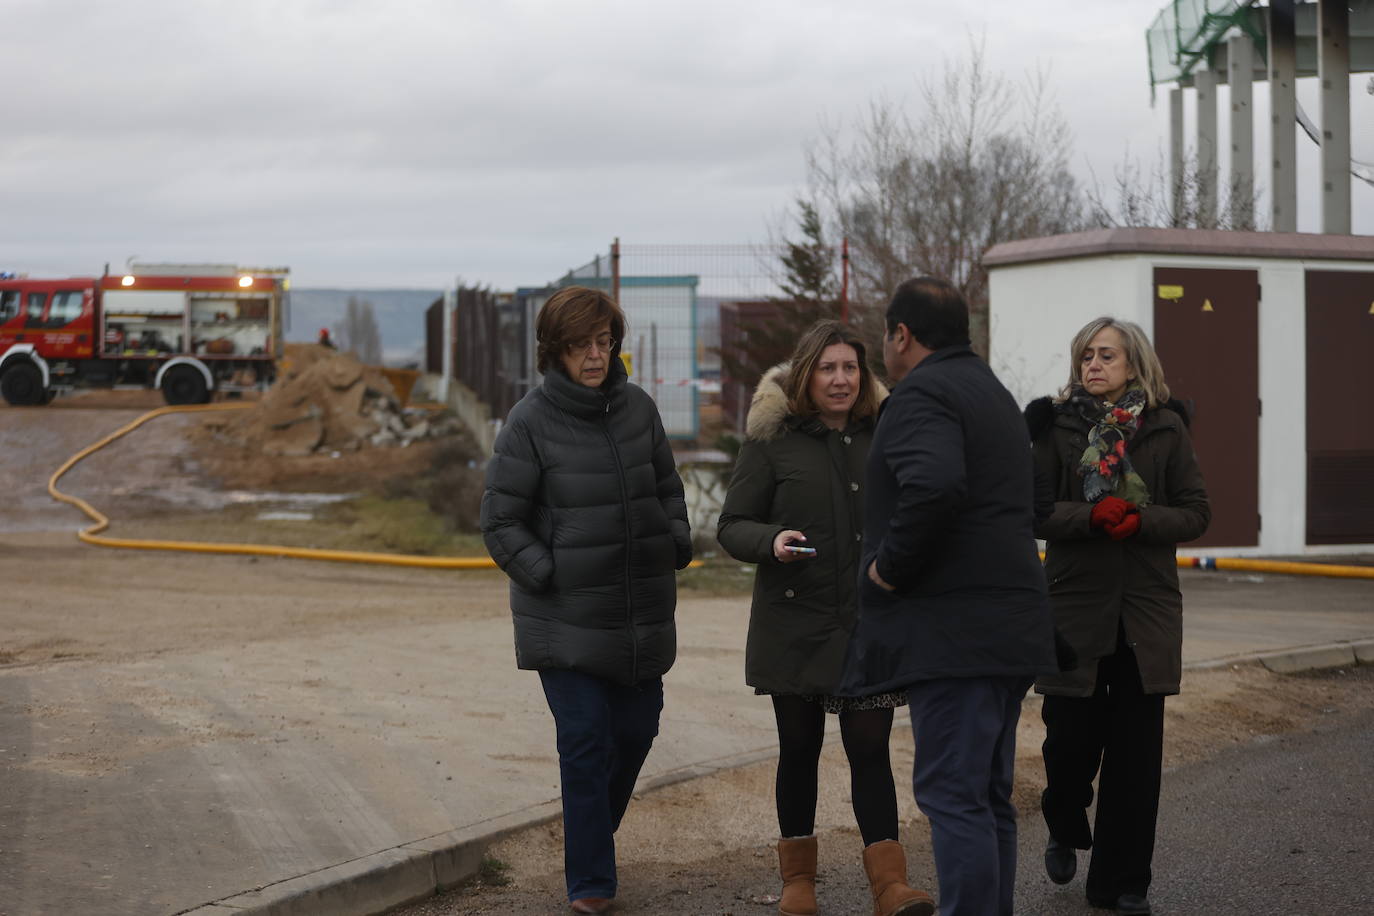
x,y
591,905
1131,904
1061,862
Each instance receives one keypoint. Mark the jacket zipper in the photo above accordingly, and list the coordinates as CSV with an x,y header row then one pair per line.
x,y
625,506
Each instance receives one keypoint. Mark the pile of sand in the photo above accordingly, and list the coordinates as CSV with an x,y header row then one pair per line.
x,y
326,401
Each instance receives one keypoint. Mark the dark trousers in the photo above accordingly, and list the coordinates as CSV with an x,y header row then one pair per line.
x,y
801,734
965,731
605,731
1119,730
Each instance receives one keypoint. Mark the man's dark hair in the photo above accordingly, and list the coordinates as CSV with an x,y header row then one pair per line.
x,y
932,310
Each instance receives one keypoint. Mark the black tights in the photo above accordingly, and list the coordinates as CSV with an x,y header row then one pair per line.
x,y
801,732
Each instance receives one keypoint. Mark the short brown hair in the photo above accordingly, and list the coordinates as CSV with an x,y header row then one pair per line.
x,y
807,353
571,314
1140,356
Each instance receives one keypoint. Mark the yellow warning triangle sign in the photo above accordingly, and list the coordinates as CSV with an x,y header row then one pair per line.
x,y
1207,305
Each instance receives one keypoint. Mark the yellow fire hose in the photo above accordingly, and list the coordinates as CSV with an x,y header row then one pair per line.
x,y
1286,567
92,535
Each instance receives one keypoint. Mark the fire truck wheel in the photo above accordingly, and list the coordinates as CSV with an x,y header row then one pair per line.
x,y
184,385
22,385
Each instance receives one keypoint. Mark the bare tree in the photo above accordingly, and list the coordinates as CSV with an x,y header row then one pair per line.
x,y
985,160
358,332
1180,201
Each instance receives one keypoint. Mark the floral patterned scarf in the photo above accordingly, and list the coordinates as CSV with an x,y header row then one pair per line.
x,y
1105,467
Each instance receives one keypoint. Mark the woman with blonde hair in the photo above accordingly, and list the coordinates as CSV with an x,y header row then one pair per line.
x,y
1115,450
794,508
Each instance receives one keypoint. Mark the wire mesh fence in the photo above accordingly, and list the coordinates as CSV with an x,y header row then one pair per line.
x,y
692,341
689,309
689,313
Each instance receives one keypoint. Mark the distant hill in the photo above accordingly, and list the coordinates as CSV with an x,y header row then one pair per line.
x,y
400,317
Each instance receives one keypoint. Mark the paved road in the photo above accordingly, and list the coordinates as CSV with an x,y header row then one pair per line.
x,y
1272,825
1284,826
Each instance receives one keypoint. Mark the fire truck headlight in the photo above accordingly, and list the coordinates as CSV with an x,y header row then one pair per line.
x,y
127,281
245,282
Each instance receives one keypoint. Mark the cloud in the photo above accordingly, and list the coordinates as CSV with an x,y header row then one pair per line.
x,y
404,143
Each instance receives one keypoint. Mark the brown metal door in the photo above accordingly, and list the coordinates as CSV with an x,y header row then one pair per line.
x,y
1340,407
1207,336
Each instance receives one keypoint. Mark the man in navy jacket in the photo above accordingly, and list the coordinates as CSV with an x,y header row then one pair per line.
x,y
953,606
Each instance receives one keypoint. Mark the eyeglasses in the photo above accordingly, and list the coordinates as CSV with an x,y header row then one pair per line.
x,y
605,344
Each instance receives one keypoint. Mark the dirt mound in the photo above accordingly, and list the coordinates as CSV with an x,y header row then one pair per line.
x,y
326,401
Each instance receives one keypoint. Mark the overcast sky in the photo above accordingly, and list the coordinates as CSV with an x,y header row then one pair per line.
x,y
408,142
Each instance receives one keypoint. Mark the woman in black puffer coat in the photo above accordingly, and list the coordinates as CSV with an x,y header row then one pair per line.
x,y
795,508
1115,453
584,510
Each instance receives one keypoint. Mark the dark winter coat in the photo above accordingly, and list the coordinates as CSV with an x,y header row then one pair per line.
x,y
949,518
584,511
1098,584
797,473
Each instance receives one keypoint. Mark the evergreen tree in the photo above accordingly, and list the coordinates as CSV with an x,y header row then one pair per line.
x,y
810,293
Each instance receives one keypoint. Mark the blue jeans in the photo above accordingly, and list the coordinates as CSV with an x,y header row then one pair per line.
x,y
965,732
605,731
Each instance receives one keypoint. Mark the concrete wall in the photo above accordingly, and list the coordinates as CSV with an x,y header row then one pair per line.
x,y
1036,308
474,414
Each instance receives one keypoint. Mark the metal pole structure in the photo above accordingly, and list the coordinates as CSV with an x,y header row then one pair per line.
x,y
844,280
1177,176
1333,72
615,269
1206,81
653,358
1240,60
447,338
1283,107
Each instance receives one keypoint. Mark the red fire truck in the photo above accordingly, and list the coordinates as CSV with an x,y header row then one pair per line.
x,y
189,330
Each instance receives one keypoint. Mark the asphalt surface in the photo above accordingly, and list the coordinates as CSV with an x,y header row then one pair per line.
x,y
1284,825
289,737
1270,825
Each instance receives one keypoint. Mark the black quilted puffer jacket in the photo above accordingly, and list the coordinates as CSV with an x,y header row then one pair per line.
x,y
584,510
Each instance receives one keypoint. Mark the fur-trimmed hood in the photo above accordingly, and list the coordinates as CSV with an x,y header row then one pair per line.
x,y
1040,413
768,417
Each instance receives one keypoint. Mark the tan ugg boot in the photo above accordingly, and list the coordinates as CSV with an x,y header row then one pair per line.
x,y
797,863
885,863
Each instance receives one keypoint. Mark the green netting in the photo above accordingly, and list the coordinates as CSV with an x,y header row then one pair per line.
x,y
1183,32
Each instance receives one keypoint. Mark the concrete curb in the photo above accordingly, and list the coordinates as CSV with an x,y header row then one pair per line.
x,y
1301,658
415,871
383,880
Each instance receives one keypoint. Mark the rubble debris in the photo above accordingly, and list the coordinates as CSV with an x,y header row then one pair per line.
x,y
327,401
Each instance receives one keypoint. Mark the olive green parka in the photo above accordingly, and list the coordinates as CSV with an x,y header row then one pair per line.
x,y
797,473
1098,584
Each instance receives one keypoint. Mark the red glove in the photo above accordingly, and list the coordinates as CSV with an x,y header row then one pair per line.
x,y
1127,527
1110,511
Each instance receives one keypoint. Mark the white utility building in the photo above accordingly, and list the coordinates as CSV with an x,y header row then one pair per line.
x,y
1267,336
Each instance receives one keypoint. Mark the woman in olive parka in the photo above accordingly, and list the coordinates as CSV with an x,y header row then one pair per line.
x,y
794,507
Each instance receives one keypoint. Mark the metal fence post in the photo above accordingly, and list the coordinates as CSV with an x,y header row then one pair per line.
x,y
446,359
615,269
